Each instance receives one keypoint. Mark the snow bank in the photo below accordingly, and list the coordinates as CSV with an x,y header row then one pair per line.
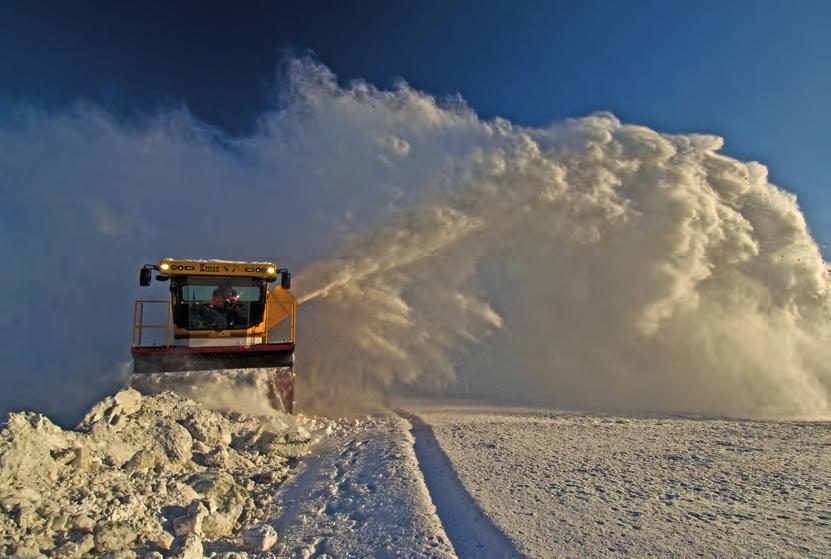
x,y
142,474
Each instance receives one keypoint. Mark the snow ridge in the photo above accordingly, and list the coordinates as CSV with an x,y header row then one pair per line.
x,y
470,531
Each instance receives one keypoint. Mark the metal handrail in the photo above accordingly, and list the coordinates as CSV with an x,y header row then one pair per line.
x,y
139,326
138,321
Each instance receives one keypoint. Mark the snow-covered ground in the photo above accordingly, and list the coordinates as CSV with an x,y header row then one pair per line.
x,y
587,485
362,496
162,476
471,481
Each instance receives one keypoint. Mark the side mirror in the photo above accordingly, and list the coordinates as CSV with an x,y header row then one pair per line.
x,y
285,280
145,276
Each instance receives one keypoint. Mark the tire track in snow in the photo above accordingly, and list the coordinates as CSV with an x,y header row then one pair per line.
x,y
471,532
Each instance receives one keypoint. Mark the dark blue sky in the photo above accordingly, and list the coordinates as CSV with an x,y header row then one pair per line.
x,y
756,72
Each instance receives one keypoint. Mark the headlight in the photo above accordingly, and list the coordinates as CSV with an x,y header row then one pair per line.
x,y
165,266
271,270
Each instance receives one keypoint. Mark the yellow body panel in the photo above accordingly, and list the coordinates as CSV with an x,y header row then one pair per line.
x,y
279,305
184,333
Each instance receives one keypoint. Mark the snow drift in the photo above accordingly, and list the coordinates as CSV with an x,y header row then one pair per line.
x,y
590,263
149,474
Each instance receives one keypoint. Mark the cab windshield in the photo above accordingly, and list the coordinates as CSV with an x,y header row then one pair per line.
x,y
218,303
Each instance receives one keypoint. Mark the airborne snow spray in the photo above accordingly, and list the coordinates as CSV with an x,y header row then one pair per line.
x,y
591,263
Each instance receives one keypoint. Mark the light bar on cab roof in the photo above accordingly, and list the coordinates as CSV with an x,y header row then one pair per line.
x,y
218,268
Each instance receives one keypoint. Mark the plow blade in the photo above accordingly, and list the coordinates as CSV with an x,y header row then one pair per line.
x,y
172,359
277,359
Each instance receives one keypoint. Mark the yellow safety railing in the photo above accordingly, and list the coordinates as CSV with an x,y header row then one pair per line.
x,y
139,326
288,328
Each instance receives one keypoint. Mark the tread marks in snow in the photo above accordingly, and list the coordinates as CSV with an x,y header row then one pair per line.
x,y
470,531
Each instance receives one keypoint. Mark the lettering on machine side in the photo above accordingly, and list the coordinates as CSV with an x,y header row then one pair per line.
x,y
208,268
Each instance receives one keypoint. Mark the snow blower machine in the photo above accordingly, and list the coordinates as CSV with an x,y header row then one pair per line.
x,y
221,315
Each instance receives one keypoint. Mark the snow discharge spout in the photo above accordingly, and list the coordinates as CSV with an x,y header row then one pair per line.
x,y
590,264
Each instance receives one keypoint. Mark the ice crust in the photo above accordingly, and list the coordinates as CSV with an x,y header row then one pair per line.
x,y
142,476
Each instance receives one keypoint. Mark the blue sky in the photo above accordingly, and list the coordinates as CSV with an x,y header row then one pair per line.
x,y
756,72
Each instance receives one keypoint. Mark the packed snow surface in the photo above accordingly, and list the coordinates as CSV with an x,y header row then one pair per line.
x,y
362,496
589,485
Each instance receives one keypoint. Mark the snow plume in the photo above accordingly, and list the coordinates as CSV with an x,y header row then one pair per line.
x,y
589,264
